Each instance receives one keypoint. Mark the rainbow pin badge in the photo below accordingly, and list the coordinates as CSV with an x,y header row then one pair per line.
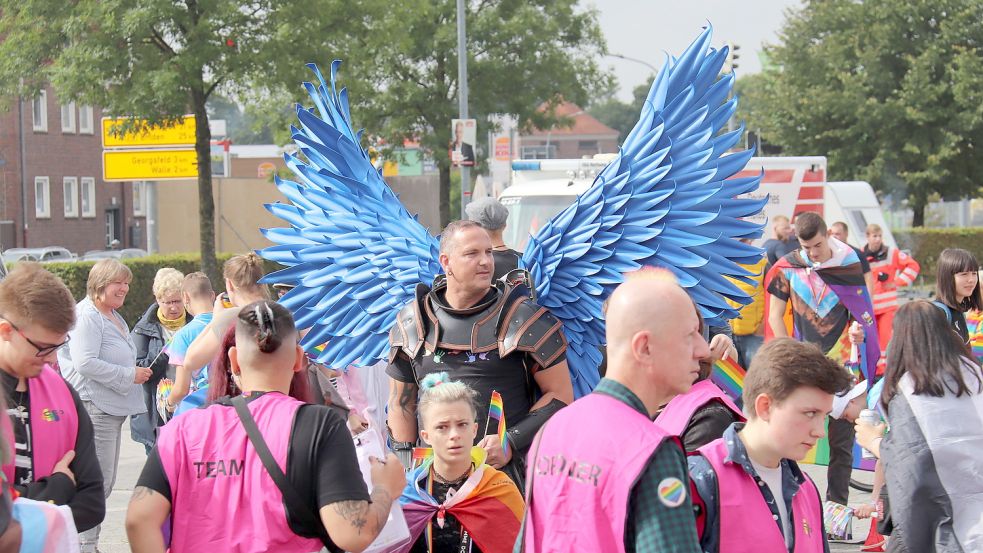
x,y
49,415
672,492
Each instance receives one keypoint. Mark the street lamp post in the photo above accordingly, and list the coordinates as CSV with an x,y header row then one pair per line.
x,y
462,95
636,60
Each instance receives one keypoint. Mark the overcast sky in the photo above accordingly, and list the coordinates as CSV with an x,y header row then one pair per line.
x,y
648,29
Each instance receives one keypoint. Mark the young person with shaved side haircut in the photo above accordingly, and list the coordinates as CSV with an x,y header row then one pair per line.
x,y
491,337
602,477
261,471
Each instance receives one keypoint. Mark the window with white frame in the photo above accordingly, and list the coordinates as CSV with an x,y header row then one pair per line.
x,y
71,186
85,120
42,198
68,118
139,199
40,112
88,194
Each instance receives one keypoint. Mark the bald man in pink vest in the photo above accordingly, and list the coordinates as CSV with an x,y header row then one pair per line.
x,y
601,476
750,493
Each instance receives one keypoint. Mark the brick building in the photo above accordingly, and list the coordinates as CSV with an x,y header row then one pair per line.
x,y
57,197
585,137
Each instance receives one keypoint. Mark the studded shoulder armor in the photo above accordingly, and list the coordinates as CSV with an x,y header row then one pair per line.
x,y
529,328
408,332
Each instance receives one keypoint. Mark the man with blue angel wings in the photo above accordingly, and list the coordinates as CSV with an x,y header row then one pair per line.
x,y
492,336
370,279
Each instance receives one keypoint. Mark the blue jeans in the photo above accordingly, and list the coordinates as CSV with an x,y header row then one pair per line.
x,y
747,345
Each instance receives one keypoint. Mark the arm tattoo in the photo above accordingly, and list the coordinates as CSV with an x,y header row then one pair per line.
x,y
370,515
141,492
354,512
407,400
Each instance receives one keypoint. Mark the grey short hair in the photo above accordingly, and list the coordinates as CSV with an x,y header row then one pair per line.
x,y
447,242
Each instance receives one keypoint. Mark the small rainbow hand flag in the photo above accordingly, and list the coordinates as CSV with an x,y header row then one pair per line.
x,y
421,454
729,376
496,410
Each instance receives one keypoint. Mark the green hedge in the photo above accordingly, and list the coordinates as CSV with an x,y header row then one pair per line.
x,y
926,245
144,269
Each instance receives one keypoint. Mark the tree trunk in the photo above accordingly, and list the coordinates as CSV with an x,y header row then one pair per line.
x,y
206,203
445,197
918,207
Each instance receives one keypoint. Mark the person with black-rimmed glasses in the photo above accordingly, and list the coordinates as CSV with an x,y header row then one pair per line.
x,y
51,433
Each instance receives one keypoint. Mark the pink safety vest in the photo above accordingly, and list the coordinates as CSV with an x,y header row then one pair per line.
x,y
747,524
675,417
222,498
54,422
582,471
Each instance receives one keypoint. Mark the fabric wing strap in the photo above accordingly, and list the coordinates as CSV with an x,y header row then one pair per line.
x,y
291,499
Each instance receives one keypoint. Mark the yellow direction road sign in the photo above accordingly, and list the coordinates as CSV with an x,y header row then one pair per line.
x,y
181,134
129,165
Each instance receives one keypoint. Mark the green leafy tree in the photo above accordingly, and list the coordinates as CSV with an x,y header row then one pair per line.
x,y
891,92
160,59
401,68
621,116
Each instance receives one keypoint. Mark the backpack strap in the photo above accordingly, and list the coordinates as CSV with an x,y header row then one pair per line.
x,y
945,309
291,499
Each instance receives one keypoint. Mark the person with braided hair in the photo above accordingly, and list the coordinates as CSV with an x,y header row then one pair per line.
x,y
216,473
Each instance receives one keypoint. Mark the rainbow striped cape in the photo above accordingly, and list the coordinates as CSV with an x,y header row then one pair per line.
x,y
488,506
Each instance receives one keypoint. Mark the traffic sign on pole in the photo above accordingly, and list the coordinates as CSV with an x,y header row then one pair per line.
x,y
180,134
156,164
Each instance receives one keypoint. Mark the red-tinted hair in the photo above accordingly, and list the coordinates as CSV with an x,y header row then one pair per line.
x,y
220,381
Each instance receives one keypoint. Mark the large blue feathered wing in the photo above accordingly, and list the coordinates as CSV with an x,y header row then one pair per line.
x,y
663,201
352,251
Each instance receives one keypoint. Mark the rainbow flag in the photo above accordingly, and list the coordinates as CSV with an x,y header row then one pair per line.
x,y
729,377
819,454
421,454
488,506
496,410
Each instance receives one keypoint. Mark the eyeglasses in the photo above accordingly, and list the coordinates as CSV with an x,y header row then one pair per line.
x,y
43,351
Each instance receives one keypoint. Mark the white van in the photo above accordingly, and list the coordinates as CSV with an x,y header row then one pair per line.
x,y
542,188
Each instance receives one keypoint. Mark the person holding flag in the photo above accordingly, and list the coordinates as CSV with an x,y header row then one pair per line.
x,y
453,501
824,282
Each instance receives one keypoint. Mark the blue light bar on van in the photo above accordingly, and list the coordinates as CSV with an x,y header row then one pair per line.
x,y
525,166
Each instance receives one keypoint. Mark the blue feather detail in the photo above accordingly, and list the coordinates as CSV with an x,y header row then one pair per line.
x,y
663,201
352,251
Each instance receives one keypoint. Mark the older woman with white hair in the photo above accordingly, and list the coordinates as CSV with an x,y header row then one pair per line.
x,y
100,363
151,335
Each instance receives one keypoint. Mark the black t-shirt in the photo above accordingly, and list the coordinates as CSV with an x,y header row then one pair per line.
x,y
321,463
512,377
505,260
19,410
